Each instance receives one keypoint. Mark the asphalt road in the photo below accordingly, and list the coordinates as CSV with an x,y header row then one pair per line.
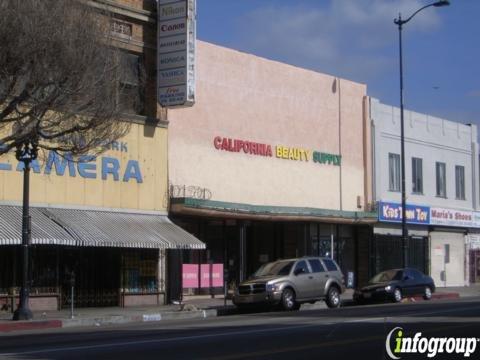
x,y
357,332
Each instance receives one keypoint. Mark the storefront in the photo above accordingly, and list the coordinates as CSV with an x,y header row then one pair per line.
x,y
387,244
473,257
270,164
442,242
450,236
100,226
242,246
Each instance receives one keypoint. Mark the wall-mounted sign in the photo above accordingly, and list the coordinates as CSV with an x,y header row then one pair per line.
x,y
292,153
281,151
176,53
88,167
248,147
392,212
450,217
425,215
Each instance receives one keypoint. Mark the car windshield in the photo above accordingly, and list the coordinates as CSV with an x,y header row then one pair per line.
x,y
385,276
275,268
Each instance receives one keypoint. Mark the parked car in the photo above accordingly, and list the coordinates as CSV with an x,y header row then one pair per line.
x,y
395,284
291,282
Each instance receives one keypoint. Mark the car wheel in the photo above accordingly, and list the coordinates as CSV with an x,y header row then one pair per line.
x,y
333,297
288,300
427,295
397,295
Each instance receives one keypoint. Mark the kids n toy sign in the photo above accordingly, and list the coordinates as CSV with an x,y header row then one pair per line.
x,y
391,212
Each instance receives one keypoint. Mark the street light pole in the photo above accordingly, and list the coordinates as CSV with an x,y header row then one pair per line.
x,y
400,24
402,151
26,153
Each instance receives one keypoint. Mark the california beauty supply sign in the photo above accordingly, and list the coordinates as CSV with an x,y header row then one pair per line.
x,y
275,150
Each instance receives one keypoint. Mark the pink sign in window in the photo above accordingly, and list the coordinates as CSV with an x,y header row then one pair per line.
x,y
211,275
189,276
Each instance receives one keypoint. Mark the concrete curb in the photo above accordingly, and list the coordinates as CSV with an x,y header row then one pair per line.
x,y
29,325
435,296
11,326
451,295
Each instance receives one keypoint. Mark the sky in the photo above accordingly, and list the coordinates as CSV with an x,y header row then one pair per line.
x,y
358,40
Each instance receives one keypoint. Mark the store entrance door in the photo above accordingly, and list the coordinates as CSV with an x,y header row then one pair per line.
x,y
475,266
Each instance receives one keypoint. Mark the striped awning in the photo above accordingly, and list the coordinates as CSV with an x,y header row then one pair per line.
x,y
44,230
95,228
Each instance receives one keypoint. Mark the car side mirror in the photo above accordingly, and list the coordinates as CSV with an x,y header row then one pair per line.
x,y
298,271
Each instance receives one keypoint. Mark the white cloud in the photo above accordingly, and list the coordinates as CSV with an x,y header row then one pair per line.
x,y
349,38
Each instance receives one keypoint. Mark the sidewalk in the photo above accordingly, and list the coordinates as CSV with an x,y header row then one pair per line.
x,y
462,291
194,307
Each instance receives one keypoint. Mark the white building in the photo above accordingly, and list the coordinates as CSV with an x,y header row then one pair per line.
x,y
442,191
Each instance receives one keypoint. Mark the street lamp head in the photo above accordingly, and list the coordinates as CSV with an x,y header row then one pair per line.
x,y
438,3
442,3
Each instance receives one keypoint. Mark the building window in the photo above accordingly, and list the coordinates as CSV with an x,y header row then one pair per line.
x,y
132,92
460,182
394,172
441,179
417,176
121,29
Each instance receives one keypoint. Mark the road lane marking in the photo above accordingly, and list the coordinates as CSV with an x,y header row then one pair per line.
x,y
366,319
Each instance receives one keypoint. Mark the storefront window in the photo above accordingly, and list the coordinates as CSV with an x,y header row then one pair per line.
x,y
44,269
215,242
8,268
388,252
346,249
321,240
140,271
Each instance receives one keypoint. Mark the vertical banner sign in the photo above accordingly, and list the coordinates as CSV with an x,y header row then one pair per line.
x,y
176,53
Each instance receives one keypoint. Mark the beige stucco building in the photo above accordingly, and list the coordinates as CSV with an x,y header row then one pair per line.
x,y
270,163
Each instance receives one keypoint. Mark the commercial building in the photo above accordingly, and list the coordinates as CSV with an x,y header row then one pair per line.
x,y
101,223
270,163
442,189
